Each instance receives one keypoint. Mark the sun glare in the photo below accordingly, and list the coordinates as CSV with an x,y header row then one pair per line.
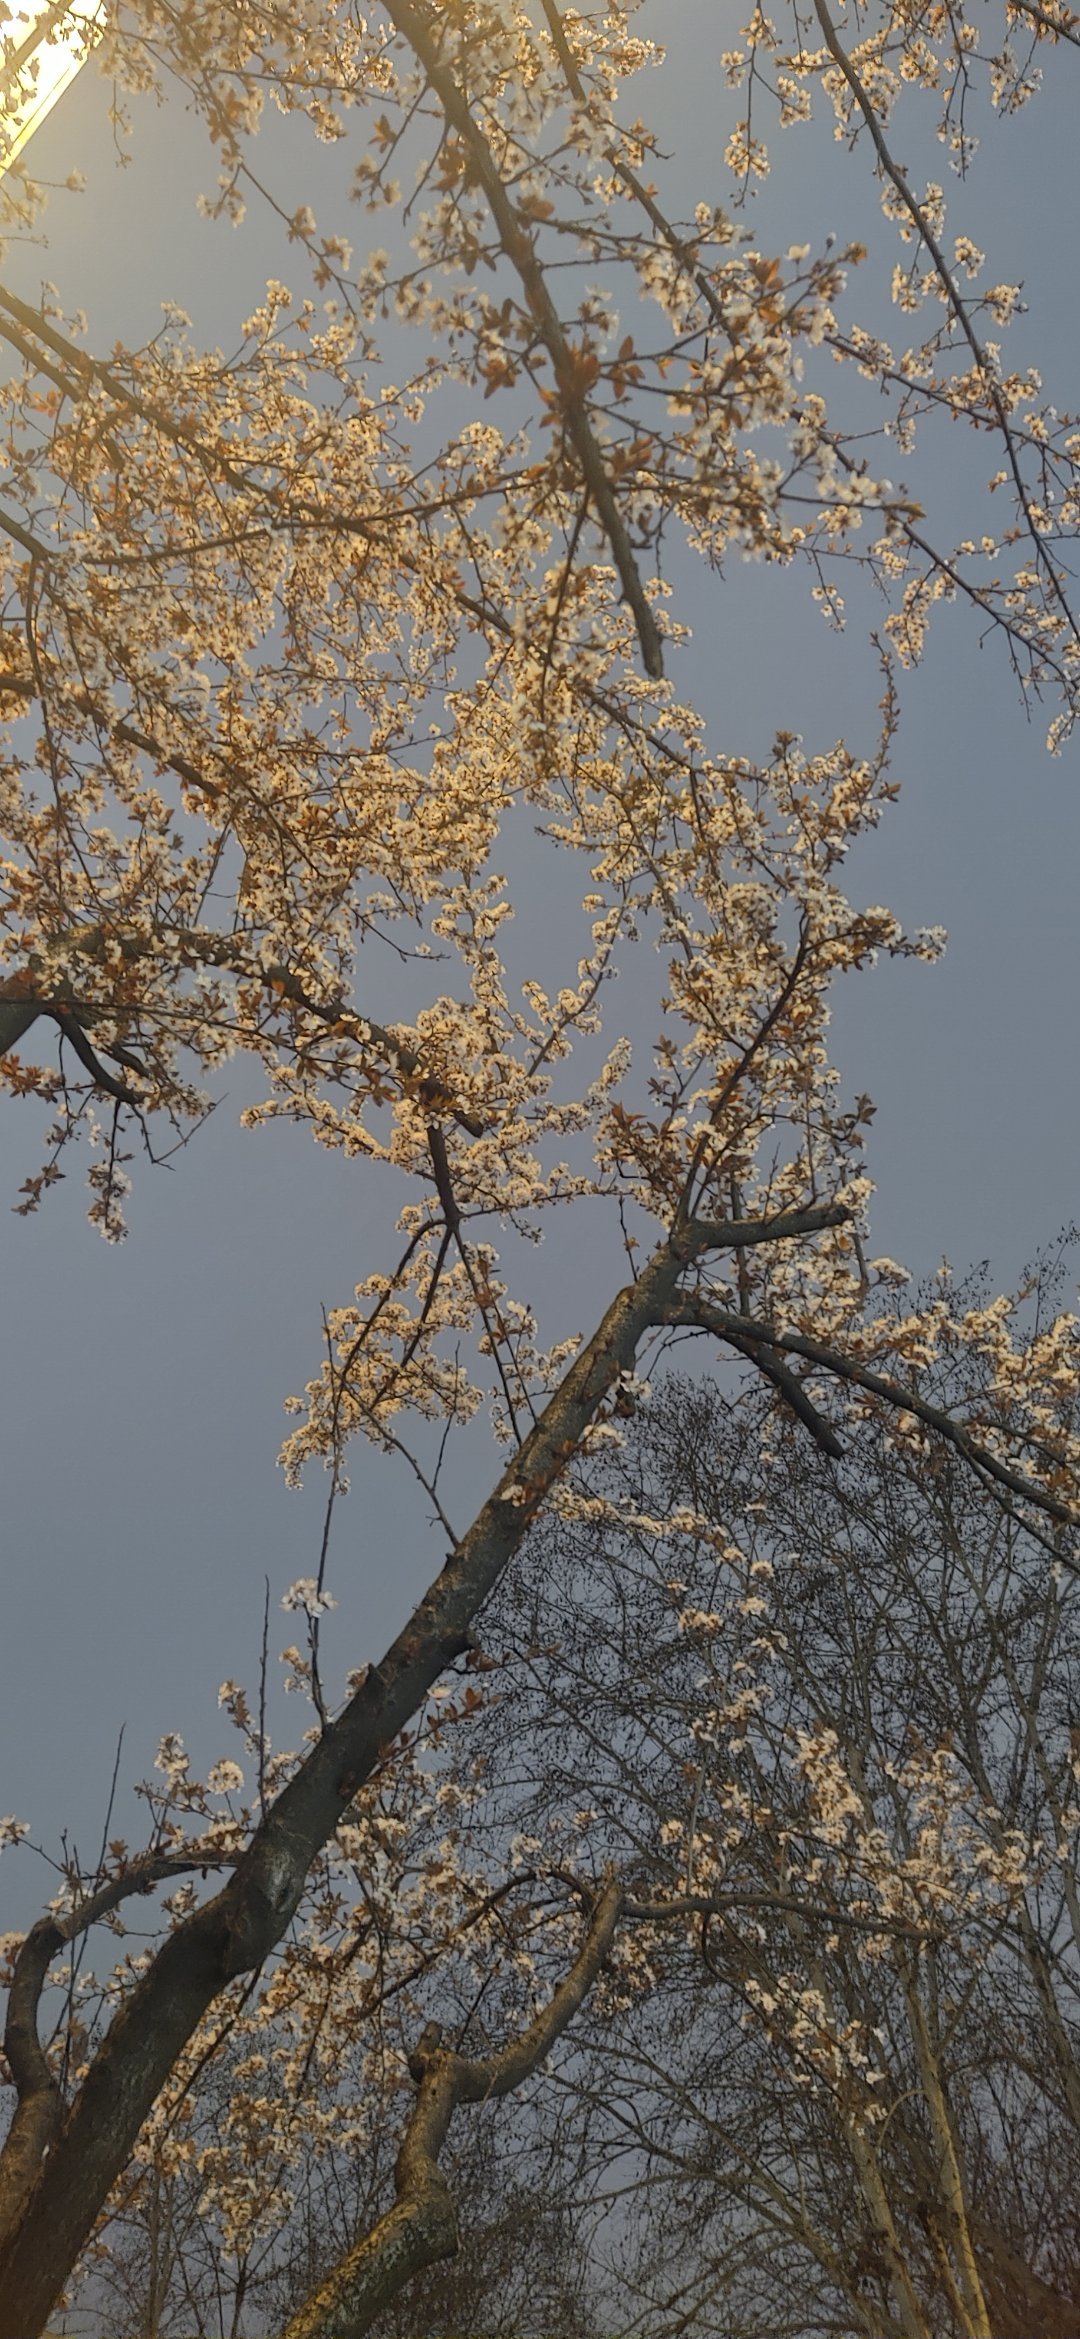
x,y
43,50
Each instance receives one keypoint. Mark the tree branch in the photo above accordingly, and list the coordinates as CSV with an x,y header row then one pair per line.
x,y
25,686
520,250
725,1904
737,1234
948,279
39,2107
422,2226
699,1314
790,1388
70,1028
21,1003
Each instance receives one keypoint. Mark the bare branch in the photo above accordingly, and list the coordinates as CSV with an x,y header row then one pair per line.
x,y
791,1390
737,1234
699,1314
723,1904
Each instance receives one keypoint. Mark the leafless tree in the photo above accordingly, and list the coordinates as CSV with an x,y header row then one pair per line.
x,y
840,1734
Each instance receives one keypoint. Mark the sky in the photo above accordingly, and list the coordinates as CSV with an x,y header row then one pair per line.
x,y
142,1386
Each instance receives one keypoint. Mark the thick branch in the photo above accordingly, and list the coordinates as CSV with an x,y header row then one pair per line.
x,y
1020,2294
68,1024
742,1331
18,1011
38,2108
790,1388
738,1234
419,2229
16,1016
422,2226
21,536
500,2074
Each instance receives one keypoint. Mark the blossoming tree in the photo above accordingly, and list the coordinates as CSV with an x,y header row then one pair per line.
x,y
290,652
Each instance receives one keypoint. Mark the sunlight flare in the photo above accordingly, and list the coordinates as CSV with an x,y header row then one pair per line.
x,y
43,50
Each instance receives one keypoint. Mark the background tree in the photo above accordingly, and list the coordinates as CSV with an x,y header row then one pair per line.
x,y
288,654
830,2080
836,1731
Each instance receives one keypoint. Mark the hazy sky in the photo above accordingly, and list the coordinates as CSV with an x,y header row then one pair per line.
x,y
143,1386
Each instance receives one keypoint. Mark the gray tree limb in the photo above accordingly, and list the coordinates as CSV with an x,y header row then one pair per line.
x,y
742,1332
38,2111
421,2226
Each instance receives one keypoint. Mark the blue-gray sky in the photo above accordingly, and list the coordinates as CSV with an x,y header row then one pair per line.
x,y
143,1387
